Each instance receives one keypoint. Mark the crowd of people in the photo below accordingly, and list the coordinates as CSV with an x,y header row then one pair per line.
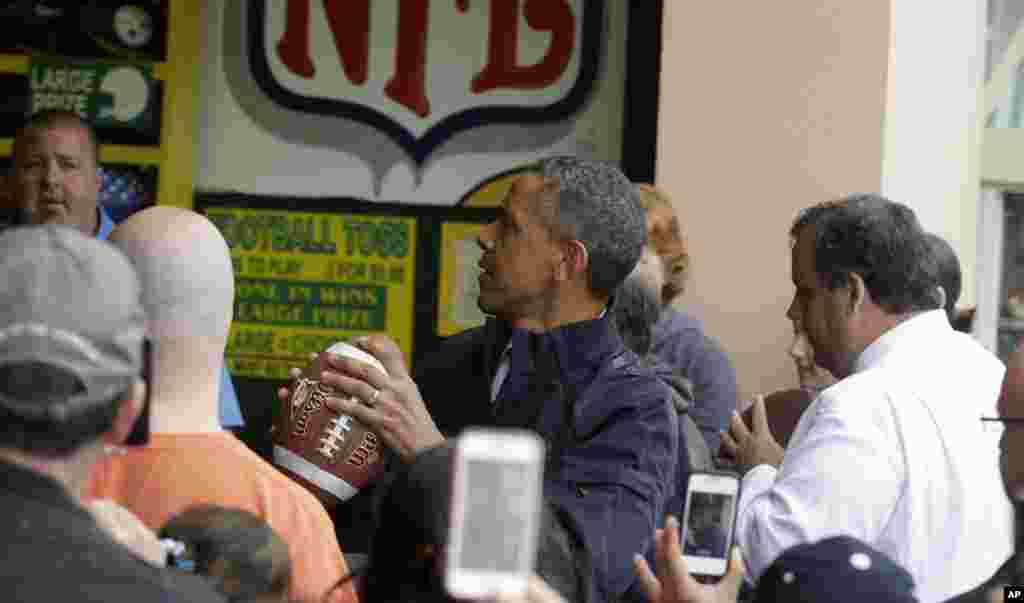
x,y
878,477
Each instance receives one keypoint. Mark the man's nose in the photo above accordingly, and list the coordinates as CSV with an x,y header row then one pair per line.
x,y
792,313
52,173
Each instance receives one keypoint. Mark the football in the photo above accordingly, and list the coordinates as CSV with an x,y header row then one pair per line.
x,y
332,455
783,409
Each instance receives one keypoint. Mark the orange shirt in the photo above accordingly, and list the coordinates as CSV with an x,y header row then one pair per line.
x,y
177,471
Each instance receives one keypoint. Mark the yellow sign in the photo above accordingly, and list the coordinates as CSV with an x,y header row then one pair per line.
x,y
306,280
457,309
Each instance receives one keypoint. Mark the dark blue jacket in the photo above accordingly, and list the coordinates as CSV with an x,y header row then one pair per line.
x,y
611,430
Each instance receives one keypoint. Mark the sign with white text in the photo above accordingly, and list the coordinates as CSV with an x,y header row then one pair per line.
x,y
107,95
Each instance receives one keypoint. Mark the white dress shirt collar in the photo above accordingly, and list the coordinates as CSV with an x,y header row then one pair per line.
x,y
924,322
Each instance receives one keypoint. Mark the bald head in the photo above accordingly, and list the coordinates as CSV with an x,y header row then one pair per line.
x,y
185,269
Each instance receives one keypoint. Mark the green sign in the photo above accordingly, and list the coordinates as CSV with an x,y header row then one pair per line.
x,y
319,305
305,280
105,94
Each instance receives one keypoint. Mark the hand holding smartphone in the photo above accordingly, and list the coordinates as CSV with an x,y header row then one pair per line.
x,y
495,511
708,522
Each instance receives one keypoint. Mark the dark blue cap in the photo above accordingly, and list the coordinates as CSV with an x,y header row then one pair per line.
x,y
838,570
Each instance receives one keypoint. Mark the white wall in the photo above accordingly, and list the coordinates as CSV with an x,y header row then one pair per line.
x,y
759,117
933,120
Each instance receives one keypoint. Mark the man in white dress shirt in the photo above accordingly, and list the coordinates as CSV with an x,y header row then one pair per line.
x,y
894,453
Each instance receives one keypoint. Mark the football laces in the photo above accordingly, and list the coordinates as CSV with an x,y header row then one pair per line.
x,y
334,436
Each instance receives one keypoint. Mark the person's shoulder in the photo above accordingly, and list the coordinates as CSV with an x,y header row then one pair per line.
x,y
710,366
247,466
868,383
234,453
674,320
464,337
680,338
865,396
148,583
280,486
302,499
626,381
187,588
285,504
978,356
454,350
626,368
125,574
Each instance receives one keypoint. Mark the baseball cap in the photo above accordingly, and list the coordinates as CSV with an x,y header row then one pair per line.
x,y
70,302
839,569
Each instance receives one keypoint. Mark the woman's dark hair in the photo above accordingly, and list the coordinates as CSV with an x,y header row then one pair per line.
x,y
410,537
881,241
411,519
635,311
240,552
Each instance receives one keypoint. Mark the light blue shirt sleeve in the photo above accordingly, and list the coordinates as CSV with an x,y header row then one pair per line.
x,y
230,411
106,224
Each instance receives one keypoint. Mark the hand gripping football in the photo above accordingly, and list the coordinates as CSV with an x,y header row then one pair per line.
x,y
332,455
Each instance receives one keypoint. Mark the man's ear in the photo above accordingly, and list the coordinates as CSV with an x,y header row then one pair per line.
x,y
575,259
858,292
127,413
941,294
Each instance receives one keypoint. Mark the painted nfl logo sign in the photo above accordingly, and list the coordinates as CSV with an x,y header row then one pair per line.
x,y
421,71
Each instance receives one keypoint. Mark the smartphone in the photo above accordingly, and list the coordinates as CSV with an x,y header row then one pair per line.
x,y
708,522
495,512
139,435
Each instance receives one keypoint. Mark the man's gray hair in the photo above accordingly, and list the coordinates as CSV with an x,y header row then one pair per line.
x,y
594,202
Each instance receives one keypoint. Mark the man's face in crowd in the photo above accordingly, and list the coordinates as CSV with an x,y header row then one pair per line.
x,y
810,374
664,239
520,256
55,178
819,311
651,271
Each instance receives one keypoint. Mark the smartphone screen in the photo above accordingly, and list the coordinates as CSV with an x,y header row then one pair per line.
x,y
707,527
495,509
497,499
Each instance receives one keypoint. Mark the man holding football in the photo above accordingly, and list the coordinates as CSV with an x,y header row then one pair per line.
x,y
550,360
